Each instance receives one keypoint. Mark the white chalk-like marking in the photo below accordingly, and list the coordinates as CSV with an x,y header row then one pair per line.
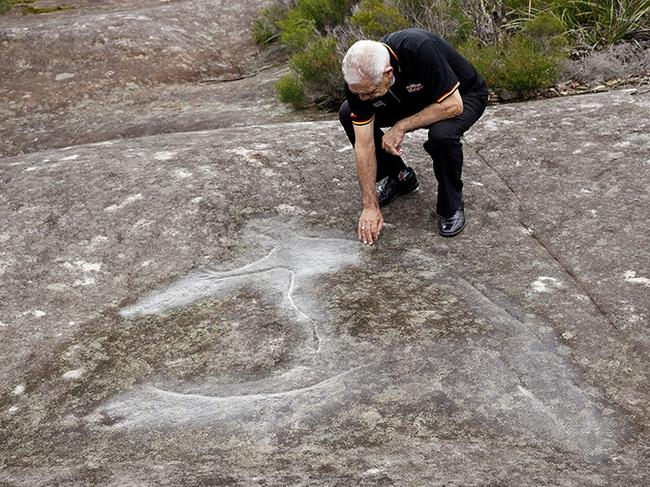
x,y
3,325
289,210
99,239
70,158
476,183
86,281
18,390
57,287
37,313
146,263
164,155
64,76
292,287
543,284
630,276
182,174
568,335
371,472
126,202
305,256
345,149
74,374
83,266
525,392
197,200
13,409
283,271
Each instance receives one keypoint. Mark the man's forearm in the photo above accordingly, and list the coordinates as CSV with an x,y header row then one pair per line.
x,y
450,108
366,162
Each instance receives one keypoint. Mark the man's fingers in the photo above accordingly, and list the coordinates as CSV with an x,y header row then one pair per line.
x,y
376,231
365,235
370,225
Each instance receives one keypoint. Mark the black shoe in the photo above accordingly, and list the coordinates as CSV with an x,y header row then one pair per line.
x,y
454,224
391,187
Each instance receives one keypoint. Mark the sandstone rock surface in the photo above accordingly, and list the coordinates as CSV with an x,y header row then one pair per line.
x,y
125,69
193,308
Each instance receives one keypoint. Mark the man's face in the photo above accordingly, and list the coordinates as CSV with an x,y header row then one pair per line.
x,y
366,90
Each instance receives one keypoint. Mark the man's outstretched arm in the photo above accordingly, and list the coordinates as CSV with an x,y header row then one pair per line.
x,y
450,107
371,221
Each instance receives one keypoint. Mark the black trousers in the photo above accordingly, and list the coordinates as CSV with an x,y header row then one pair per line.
x,y
443,145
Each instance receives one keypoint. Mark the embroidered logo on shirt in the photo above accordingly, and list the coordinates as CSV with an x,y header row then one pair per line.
x,y
379,104
414,87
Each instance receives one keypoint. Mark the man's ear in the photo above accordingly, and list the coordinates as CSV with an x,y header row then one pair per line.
x,y
388,71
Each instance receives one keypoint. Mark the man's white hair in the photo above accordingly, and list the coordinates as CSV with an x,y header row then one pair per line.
x,y
365,61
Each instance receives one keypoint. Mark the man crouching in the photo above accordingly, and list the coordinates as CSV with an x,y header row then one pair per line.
x,y
411,79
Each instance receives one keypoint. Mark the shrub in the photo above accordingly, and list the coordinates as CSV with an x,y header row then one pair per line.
x,y
376,19
521,64
290,90
319,69
605,22
592,23
517,52
324,13
265,26
446,18
5,6
297,30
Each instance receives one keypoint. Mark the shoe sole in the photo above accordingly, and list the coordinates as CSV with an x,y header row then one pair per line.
x,y
400,194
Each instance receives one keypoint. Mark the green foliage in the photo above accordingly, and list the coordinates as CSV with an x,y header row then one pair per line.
x,y
324,13
522,64
601,23
524,50
26,8
319,67
376,19
290,90
265,26
591,23
315,60
296,31
320,55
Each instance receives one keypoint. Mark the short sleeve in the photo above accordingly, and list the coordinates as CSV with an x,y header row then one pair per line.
x,y
362,113
436,72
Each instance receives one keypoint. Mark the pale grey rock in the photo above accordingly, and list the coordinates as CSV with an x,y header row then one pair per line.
x,y
193,308
516,351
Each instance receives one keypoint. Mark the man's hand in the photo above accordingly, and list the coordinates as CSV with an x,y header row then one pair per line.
x,y
371,223
391,142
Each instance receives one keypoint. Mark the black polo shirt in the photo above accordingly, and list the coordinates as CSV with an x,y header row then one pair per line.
x,y
427,70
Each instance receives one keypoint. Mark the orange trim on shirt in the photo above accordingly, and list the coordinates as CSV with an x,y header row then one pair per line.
x,y
391,50
361,122
449,93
